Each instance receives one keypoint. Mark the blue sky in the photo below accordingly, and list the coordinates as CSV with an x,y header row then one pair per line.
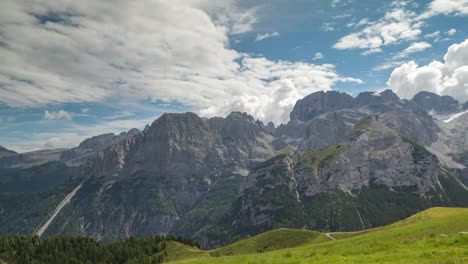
x,y
69,72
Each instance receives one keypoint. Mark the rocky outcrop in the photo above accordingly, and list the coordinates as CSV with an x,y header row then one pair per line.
x,y
30,159
375,100
92,146
71,157
330,129
411,123
178,158
434,103
337,126
271,128
299,190
452,144
319,103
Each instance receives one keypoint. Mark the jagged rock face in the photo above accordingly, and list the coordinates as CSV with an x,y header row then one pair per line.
x,y
294,129
375,100
336,127
379,156
411,123
71,157
269,198
185,144
30,159
91,146
336,163
271,128
180,156
330,129
319,103
432,102
452,144
289,190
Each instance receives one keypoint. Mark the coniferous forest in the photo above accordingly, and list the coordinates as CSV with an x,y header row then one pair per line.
x,y
77,250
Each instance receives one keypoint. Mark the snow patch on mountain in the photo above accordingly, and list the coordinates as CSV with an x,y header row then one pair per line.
x,y
455,116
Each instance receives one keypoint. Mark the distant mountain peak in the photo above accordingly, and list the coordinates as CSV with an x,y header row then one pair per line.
x,y
6,152
319,103
431,102
133,131
375,98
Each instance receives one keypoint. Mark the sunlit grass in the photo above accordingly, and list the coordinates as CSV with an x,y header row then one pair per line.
x,y
432,236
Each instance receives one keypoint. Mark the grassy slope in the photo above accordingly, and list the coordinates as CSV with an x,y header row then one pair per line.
x,y
178,251
432,236
271,240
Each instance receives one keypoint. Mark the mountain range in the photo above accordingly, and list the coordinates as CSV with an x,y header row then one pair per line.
x,y
341,163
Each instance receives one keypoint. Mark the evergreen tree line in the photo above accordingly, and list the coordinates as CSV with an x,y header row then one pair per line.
x,y
23,249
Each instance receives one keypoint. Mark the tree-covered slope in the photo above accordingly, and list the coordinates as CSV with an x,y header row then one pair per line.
x,y
77,250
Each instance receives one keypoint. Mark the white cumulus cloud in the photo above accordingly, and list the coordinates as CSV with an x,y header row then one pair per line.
x,y
445,7
413,48
261,37
452,32
396,26
125,51
399,25
61,114
445,78
434,35
318,56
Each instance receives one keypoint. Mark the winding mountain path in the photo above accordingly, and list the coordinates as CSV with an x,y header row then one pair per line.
x,y
329,236
57,210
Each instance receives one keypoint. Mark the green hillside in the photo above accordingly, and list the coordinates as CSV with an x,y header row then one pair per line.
x,y
271,240
437,235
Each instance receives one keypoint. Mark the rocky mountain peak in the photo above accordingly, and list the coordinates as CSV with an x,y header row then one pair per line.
x,y
133,132
4,152
242,126
92,146
271,128
432,102
176,126
240,115
373,99
176,118
319,103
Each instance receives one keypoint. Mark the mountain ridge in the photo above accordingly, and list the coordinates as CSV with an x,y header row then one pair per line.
x,y
328,168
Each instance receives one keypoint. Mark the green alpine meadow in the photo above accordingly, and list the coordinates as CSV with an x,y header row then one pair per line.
x,y
436,235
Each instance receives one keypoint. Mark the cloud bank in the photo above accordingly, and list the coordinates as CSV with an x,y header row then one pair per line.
x,y
124,51
445,78
399,25
396,26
